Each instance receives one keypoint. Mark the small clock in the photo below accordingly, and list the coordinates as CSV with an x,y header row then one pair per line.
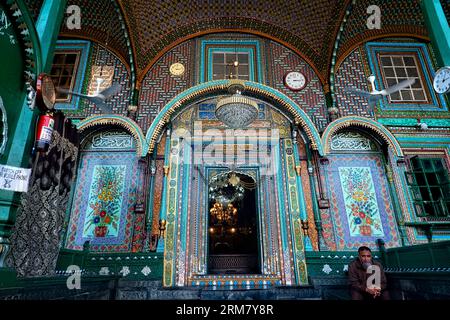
x,y
441,82
45,92
177,69
294,80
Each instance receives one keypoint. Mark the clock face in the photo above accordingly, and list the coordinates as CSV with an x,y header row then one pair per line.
x,y
441,82
295,80
46,94
177,69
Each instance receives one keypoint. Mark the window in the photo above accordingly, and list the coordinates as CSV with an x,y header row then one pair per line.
x,y
396,68
64,70
217,57
392,62
430,186
68,71
223,66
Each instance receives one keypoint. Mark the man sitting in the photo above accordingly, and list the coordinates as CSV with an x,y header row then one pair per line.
x,y
359,272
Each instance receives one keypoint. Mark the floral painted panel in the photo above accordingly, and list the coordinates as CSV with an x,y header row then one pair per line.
x,y
360,199
361,208
105,202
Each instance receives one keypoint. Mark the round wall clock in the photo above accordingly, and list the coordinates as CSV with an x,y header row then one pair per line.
x,y
294,80
441,82
45,92
177,69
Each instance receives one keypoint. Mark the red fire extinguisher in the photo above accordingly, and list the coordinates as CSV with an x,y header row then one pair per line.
x,y
44,131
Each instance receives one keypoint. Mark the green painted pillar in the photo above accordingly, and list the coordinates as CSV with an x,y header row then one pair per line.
x,y
47,27
22,136
438,29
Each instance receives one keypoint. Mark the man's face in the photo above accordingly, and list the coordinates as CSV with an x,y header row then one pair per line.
x,y
365,256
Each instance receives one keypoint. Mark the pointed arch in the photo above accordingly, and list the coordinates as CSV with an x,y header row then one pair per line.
x,y
126,123
219,87
366,123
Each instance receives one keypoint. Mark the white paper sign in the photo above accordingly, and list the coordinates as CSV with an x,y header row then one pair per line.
x,y
14,179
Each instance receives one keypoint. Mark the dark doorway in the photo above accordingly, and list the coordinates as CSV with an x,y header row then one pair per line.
x,y
232,229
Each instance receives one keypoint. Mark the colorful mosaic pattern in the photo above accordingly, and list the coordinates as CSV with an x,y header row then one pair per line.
x,y
360,200
400,16
354,199
159,86
311,26
282,258
103,203
119,103
351,74
311,98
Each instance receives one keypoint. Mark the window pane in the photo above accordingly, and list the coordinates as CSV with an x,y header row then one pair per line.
x,y
398,61
61,96
432,179
420,210
436,193
243,57
68,70
389,72
56,71
446,191
420,179
406,94
243,69
438,165
416,164
391,82
71,58
64,82
218,58
386,61
59,58
425,194
395,96
230,57
429,210
409,61
416,194
401,72
419,95
219,70
412,72
417,84
427,164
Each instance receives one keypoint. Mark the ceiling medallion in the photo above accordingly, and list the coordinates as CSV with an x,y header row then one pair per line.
x,y
236,111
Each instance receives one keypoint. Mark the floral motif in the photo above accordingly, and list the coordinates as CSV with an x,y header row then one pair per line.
x,y
327,269
104,271
102,218
146,271
360,201
125,271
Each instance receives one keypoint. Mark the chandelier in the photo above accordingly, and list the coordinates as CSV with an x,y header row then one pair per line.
x,y
223,215
236,111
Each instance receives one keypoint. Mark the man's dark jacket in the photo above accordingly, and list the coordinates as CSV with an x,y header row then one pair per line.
x,y
357,276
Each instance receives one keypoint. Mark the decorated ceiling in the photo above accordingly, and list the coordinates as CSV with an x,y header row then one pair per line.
x,y
141,31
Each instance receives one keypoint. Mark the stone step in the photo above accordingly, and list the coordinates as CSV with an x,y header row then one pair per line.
x,y
153,290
